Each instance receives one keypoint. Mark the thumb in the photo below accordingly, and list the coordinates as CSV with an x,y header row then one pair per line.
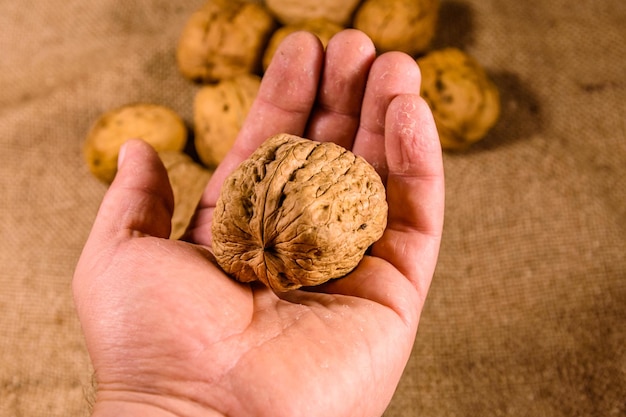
x,y
139,202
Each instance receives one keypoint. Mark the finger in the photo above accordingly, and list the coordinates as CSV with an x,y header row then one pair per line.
x,y
283,104
393,73
399,271
139,201
415,191
349,56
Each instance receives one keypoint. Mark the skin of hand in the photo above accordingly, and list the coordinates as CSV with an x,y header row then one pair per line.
x,y
169,334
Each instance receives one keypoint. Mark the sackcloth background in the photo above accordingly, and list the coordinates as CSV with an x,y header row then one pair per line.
x,y
526,314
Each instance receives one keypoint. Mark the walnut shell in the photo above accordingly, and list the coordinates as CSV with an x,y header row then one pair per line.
x,y
464,101
398,25
188,180
324,29
219,111
289,12
297,213
157,125
223,39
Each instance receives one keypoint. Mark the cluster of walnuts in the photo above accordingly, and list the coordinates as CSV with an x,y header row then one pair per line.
x,y
227,39
297,212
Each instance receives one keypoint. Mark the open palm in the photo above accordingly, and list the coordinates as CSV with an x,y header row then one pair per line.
x,y
170,334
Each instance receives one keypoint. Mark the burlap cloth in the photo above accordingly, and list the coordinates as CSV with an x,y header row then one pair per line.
x,y
527,312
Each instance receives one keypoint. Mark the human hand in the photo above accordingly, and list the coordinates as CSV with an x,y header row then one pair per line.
x,y
169,334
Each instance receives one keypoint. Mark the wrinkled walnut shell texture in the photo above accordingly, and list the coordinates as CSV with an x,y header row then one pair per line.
x,y
297,213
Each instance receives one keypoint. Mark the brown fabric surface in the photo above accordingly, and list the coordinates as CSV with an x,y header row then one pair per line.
x,y
526,313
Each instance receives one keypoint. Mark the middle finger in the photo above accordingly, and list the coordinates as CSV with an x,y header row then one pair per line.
x,y
335,116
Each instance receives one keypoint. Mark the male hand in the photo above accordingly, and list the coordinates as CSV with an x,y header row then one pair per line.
x,y
169,334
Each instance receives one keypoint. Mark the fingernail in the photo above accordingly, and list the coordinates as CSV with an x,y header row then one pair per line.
x,y
121,155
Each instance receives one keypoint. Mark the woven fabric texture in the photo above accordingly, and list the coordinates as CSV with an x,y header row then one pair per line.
x,y
526,314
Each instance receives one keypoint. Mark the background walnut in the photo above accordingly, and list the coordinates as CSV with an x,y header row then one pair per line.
x,y
323,28
223,39
297,213
398,25
188,180
464,101
157,125
219,110
297,11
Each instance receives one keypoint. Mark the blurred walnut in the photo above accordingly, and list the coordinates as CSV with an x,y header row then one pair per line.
x,y
298,11
188,180
464,101
297,213
398,25
157,125
223,39
324,29
219,111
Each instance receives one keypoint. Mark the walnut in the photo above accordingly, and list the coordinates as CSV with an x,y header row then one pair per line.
x,y
464,101
219,111
157,125
398,25
297,213
324,29
223,39
188,180
297,11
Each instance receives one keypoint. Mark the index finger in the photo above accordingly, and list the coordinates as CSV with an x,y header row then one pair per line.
x,y
283,105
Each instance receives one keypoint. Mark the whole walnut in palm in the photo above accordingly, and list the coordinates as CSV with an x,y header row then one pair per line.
x,y
297,213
